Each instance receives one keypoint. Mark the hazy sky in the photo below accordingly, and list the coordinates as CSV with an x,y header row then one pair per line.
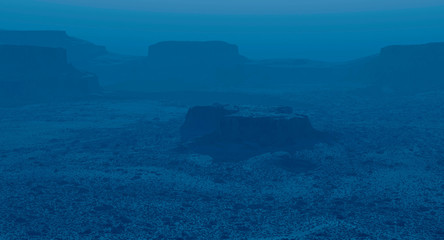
x,y
317,29
253,6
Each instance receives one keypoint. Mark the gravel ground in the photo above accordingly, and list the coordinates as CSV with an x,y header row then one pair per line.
x,y
113,169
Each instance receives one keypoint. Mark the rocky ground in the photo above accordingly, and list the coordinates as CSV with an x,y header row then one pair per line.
x,y
114,168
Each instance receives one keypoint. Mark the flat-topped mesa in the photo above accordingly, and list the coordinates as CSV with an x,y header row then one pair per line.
x,y
404,68
431,51
237,129
186,53
412,68
193,65
78,51
30,73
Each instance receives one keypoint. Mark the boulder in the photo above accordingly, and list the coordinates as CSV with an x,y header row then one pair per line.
x,y
238,132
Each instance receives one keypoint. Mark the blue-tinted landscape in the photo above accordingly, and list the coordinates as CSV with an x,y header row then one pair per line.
x,y
221,120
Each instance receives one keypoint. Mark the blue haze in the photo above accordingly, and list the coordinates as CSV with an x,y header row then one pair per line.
x,y
322,36
199,119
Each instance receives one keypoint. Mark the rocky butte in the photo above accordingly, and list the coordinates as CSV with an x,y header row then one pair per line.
x,y
238,132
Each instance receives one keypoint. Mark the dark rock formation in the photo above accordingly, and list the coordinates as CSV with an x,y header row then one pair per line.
x,y
29,73
237,132
203,120
79,52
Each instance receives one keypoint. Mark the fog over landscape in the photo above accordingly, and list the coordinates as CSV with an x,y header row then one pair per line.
x,y
322,30
146,119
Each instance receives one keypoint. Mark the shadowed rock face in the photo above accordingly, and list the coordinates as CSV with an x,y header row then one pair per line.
x,y
29,73
238,132
203,120
265,130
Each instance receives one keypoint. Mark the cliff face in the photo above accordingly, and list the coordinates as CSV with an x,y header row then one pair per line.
x,y
79,52
203,120
238,132
29,73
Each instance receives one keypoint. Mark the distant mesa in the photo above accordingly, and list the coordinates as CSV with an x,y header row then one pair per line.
x,y
79,52
189,53
431,51
237,132
407,69
217,65
30,73
193,65
414,66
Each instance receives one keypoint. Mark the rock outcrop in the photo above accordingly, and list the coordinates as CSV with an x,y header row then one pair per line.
x,y
203,120
29,73
237,132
